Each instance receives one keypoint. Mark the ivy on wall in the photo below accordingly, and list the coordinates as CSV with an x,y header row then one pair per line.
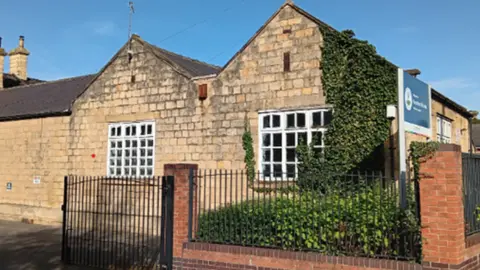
x,y
421,150
360,84
247,142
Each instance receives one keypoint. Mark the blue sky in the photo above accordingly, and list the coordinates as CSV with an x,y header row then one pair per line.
x,y
69,38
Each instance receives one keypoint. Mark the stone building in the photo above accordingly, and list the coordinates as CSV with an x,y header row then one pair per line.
x,y
148,106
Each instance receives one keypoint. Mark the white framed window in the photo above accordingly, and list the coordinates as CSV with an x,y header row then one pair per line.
x,y
131,149
280,132
444,129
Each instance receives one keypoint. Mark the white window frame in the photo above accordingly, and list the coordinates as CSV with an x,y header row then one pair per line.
x,y
444,129
138,138
284,130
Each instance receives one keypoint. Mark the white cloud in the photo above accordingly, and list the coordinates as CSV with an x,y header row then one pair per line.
x,y
455,83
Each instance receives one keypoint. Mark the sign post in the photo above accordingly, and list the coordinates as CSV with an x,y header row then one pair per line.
x,y
414,116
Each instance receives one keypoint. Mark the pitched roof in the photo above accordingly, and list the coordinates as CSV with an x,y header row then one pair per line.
x,y
193,67
41,99
476,134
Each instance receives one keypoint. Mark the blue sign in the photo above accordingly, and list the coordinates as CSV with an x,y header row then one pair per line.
x,y
416,105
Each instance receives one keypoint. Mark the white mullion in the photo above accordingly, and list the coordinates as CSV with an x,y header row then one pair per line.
x,y
283,125
138,138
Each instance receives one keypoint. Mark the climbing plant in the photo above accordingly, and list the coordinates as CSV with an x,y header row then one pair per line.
x,y
419,150
359,84
247,143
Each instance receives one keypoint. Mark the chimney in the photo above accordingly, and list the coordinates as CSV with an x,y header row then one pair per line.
x,y
18,59
414,72
2,61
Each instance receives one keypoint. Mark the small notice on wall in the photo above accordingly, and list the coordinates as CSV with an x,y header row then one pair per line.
x,y
36,180
9,186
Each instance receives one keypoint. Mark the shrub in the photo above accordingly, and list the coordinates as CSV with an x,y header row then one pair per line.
x,y
365,221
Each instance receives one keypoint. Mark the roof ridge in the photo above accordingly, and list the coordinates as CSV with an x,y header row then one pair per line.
x,y
185,57
46,82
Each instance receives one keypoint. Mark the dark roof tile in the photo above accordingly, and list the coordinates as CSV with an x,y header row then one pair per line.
x,y
41,99
192,66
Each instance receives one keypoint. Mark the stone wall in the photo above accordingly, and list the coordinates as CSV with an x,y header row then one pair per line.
x,y
33,148
254,81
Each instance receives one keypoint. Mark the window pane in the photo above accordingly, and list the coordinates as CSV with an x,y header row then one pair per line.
x,y
317,119
112,144
142,128
267,155
266,121
128,143
302,138
126,171
150,162
112,162
290,120
327,117
112,171
277,170
267,170
142,162
142,152
134,152
291,155
118,171
134,161
119,162
127,162
134,130
276,121
112,153
277,155
150,143
150,152
134,171
317,138
291,170
149,129
134,143
142,143
266,139
119,131
119,144
277,139
127,131
119,153
149,171
300,120
290,139
112,131
127,153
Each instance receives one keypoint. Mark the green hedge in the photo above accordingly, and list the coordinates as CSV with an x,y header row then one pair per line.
x,y
365,222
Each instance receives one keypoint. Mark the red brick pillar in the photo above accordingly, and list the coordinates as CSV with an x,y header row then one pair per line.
x,y
441,202
181,199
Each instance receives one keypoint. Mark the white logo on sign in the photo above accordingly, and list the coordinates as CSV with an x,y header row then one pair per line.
x,y
408,99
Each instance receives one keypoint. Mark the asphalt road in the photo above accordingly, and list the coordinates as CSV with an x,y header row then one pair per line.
x,y
30,247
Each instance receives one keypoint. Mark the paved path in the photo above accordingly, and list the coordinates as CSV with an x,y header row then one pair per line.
x,y
30,247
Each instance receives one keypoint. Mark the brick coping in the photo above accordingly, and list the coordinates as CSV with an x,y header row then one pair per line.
x,y
304,256
472,240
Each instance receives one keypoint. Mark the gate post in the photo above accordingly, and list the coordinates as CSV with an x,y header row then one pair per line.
x,y
181,200
442,217
64,255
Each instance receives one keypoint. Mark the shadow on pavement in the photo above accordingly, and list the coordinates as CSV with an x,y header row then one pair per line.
x,y
30,247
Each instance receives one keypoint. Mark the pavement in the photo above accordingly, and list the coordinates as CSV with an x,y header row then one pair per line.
x,y
30,247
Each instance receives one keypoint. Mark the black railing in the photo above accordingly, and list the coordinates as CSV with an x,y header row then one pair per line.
x,y
356,214
471,192
118,223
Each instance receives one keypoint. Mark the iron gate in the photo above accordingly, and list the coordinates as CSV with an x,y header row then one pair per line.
x,y
118,223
